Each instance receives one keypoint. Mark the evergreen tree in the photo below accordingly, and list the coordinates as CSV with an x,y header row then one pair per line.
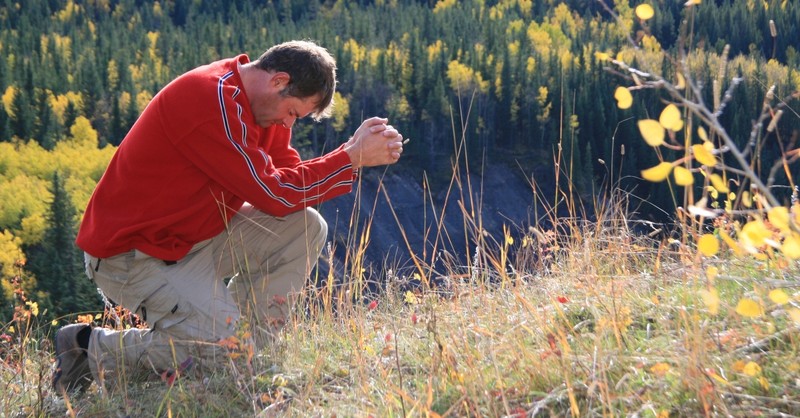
x,y
57,261
47,128
70,114
24,119
5,125
116,132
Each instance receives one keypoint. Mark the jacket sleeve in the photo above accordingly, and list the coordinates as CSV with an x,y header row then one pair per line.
x,y
264,171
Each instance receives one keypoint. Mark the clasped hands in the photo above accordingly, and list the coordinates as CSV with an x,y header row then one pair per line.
x,y
374,143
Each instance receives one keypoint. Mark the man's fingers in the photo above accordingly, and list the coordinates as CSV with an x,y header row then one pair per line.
x,y
375,120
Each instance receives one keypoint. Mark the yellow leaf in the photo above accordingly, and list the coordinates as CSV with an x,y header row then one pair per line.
x,y
779,297
279,380
764,382
701,132
411,298
624,97
54,323
681,82
779,217
719,184
751,369
717,377
711,273
711,300
738,366
708,245
658,173
732,244
652,132
659,369
683,177
755,233
794,313
671,118
602,56
692,2
747,199
703,155
644,11
749,308
34,307
791,246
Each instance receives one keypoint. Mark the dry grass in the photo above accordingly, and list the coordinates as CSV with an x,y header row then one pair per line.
x,y
588,319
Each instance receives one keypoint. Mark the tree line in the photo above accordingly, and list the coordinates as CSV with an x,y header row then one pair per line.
x,y
519,80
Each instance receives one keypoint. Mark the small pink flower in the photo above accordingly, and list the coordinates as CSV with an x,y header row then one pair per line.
x,y
372,305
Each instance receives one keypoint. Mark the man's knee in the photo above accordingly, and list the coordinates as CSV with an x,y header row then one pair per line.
x,y
317,229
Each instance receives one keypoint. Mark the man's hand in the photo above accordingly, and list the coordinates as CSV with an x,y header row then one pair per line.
x,y
374,143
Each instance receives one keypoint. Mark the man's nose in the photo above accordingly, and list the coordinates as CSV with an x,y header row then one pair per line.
x,y
288,121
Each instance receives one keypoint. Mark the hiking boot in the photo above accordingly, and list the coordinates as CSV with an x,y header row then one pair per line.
x,y
72,361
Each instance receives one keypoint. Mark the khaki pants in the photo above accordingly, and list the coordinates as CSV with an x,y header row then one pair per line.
x,y
188,306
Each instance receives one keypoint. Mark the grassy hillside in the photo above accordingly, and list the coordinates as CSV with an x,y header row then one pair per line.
x,y
585,320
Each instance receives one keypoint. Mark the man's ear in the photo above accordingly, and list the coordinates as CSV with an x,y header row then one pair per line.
x,y
280,79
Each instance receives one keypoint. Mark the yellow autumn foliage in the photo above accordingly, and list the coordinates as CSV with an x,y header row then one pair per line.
x,y
749,308
683,176
644,11
779,218
652,132
670,118
624,97
703,155
658,173
10,252
779,296
708,245
711,300
464,79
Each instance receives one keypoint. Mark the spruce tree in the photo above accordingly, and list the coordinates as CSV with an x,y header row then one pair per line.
x,y
5,125
46,129
57,261
22,123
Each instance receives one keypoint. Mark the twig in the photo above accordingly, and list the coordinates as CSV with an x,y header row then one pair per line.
x,y
552,397
765,399
761,345
399,368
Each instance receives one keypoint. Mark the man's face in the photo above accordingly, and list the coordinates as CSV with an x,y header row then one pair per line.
x,y
270,107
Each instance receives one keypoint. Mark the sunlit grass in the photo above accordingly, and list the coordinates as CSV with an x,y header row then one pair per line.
x,y
584,319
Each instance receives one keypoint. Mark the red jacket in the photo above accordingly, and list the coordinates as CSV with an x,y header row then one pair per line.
x,y
191,160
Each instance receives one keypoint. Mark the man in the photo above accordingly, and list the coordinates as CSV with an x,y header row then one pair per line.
x,y
206,187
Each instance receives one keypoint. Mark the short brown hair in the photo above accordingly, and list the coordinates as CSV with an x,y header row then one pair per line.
x,y
312,71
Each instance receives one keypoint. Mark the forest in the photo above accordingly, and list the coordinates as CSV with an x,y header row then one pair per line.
x,y
517,79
